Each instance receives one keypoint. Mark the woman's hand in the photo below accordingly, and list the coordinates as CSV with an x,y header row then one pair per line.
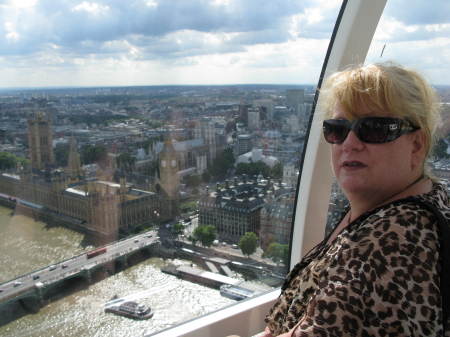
x,y
266,333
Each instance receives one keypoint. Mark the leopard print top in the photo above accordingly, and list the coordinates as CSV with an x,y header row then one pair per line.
x,y
379,277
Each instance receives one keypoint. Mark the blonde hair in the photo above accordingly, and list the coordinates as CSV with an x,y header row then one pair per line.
x,y
386,88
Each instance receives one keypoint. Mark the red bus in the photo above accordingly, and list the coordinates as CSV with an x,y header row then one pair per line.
x,y
96,252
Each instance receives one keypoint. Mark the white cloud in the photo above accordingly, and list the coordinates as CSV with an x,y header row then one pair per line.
x,y
117,42
11,33
151,3
90,7
22,3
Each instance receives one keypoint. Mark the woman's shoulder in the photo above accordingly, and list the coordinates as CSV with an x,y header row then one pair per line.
x,y
438,197
412,209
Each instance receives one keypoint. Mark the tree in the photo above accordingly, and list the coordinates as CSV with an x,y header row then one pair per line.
x,y
223,162
277,171
125,161
188,206
253,169
206,177
248,243
205,234
193,240
7,161
92,153
178,229
193,181
61,154
278,252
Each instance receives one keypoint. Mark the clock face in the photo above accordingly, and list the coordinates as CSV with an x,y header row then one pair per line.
x,y
174,163
163,163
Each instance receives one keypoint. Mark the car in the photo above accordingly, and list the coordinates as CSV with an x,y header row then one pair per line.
x,y
35,277
1,290
64,266
234,246
52,267
136,240
17,283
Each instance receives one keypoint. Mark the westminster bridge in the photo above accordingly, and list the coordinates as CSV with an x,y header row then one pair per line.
x,y
33,288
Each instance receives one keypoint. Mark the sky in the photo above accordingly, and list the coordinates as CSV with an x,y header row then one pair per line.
x,y
153,42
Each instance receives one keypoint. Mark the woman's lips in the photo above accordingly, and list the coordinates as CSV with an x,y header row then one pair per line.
x,y
353,164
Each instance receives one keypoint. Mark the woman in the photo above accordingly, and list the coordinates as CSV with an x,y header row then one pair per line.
x,y
380,272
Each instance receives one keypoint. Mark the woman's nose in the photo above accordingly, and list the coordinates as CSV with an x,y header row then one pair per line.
x,y
352,142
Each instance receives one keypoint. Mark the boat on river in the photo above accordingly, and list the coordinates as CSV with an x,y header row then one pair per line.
x,y
235,292
130,309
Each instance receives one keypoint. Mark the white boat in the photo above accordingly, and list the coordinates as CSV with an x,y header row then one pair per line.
x,y
236,292
130,309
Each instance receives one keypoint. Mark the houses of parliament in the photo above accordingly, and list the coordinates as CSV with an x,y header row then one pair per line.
x,y
98,206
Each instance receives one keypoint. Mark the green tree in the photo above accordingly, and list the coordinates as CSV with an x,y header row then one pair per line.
x,y
277,171
188,206
193,240
278,252
177,229
205,234
248,243
206,177
253,169
126,161
92,153
7,161
223,162
61,154
193,181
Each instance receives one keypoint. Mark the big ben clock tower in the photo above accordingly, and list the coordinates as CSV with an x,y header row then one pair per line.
x,y
169,179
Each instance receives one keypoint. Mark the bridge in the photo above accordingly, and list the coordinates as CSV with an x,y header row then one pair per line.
x,y
35,285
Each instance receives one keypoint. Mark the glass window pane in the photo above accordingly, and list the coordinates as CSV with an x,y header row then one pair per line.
x,y
419,38
149,156
416,36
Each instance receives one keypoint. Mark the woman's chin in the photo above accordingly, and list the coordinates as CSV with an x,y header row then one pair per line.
x,y
355,187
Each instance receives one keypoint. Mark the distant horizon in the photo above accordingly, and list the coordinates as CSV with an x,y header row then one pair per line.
x,y
174,85
158,85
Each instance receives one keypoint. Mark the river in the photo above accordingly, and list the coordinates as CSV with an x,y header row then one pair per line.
x,y
26,245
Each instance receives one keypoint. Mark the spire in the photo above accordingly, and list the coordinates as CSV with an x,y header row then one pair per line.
x,y
74,164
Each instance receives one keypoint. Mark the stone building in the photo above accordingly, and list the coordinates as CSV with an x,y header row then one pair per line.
x,y
235,208
96,205
168,184
40,142
276,220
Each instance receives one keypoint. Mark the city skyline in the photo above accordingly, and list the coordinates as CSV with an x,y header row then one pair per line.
x,y
111,43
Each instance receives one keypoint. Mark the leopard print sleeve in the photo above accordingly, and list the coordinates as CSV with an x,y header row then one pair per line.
x,y
382,279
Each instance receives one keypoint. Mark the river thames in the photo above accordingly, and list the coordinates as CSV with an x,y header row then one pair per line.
x,y
26,245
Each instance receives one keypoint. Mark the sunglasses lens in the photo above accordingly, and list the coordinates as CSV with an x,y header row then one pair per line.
x,y
378,130
335,130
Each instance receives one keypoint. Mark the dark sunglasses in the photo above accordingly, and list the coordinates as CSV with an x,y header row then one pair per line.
x,y
372,130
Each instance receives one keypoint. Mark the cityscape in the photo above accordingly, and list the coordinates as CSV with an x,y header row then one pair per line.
x,y
203,174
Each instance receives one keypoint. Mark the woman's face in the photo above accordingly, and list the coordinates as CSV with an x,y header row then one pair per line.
x,y
374,171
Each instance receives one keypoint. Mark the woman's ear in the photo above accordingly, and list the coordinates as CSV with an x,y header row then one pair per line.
x,y
418,149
